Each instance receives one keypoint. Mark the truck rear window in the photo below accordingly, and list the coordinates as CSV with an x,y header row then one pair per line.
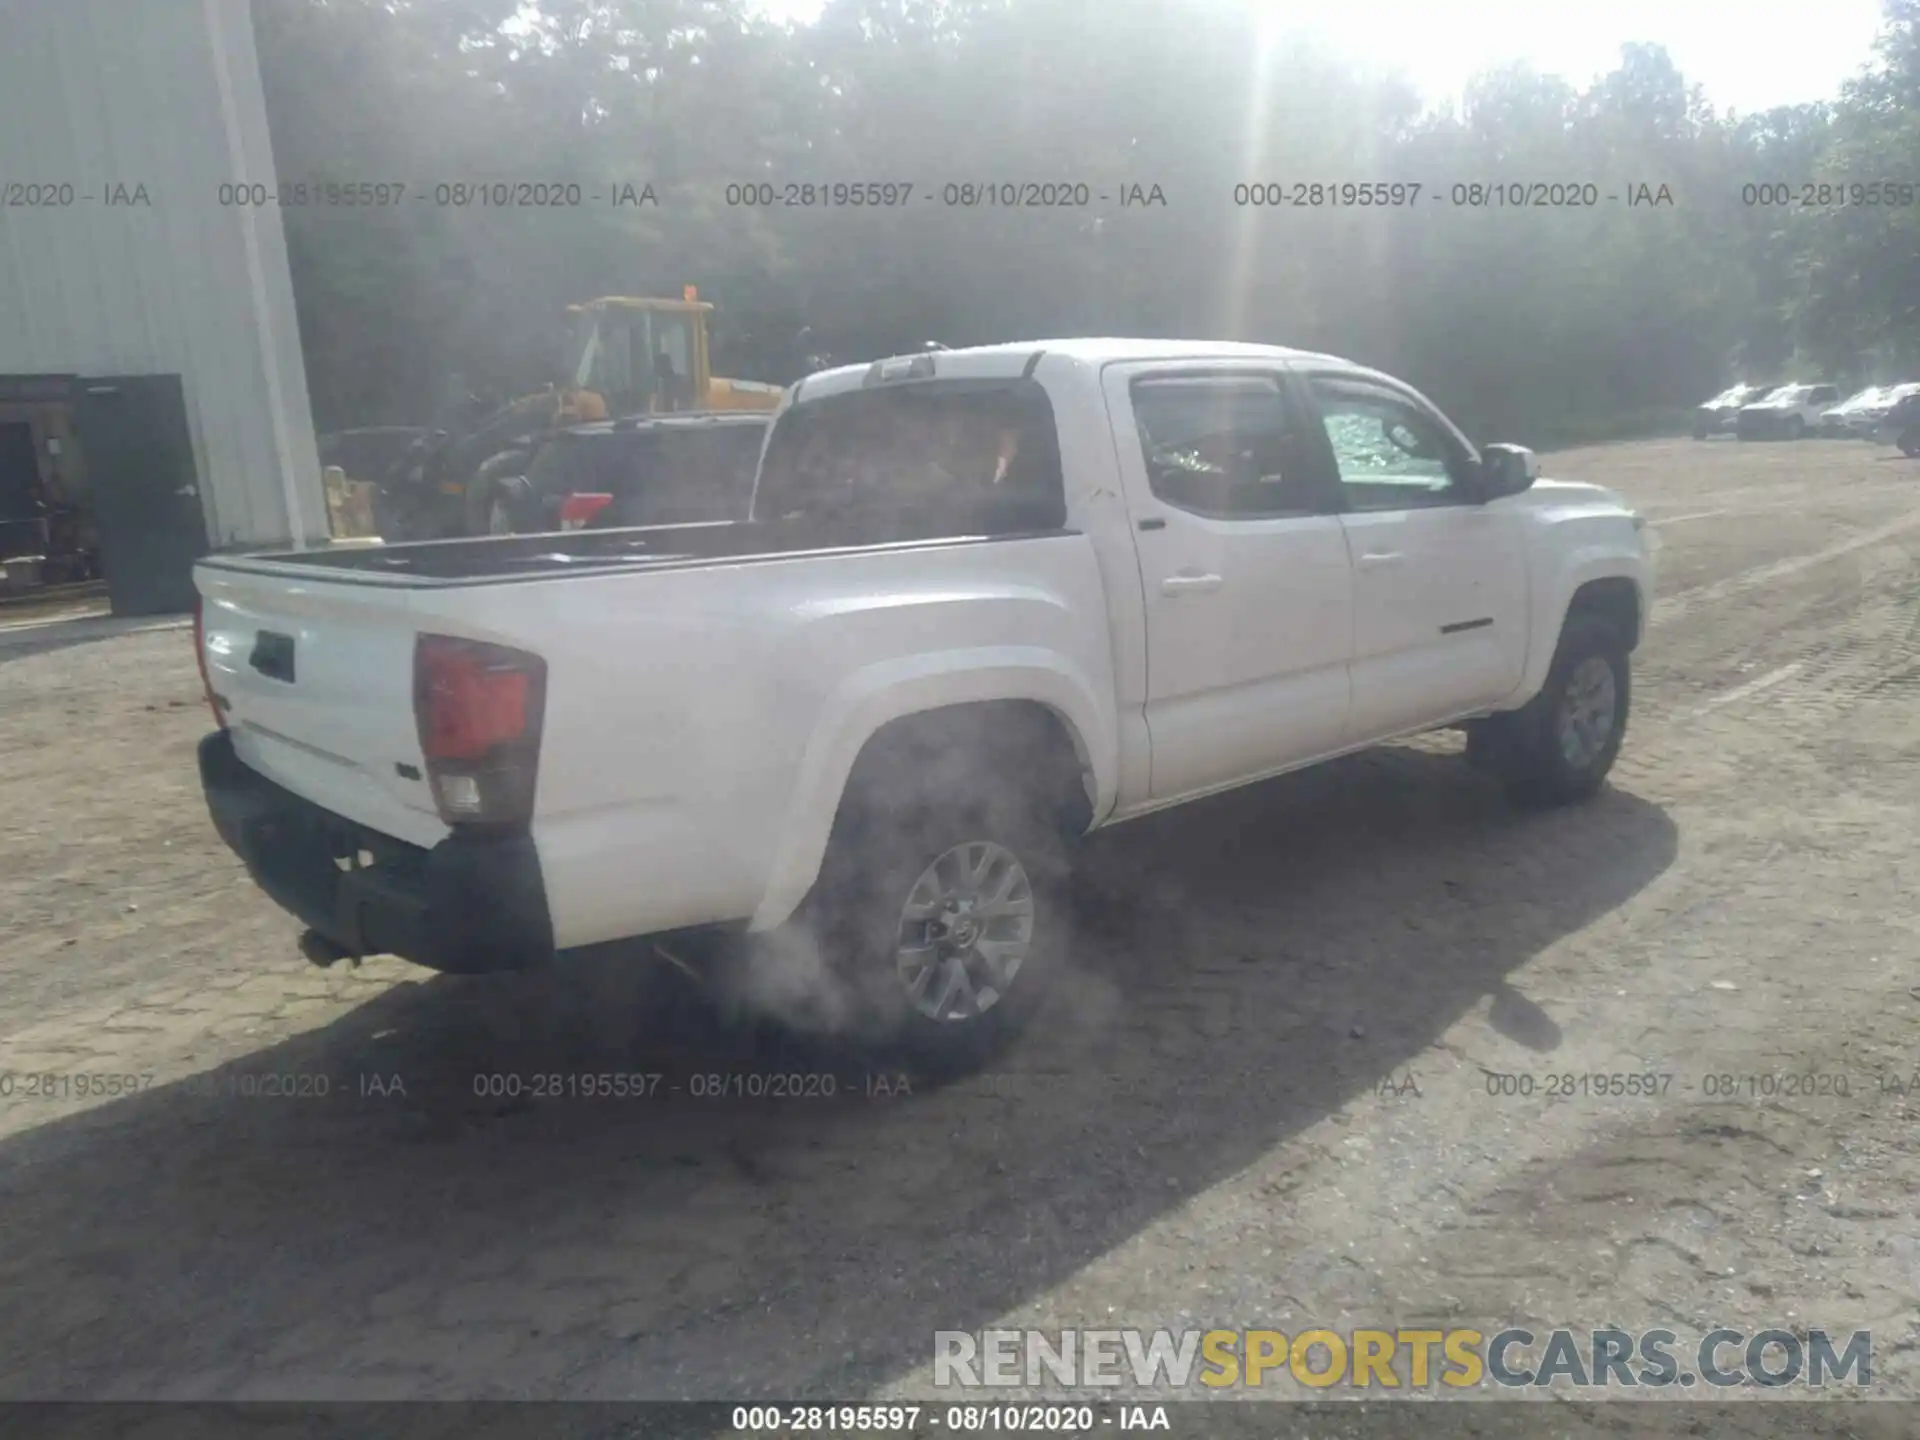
x,y
927,458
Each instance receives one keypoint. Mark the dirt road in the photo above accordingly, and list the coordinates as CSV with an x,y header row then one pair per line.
x,y
1214,1126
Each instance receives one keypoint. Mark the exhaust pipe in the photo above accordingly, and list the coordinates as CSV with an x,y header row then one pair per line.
x,y
322,952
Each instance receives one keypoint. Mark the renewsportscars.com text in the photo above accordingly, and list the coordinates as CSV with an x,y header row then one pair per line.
x,y
1399,1359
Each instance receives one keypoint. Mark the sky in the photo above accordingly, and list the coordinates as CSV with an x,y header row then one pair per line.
x,y
1748,55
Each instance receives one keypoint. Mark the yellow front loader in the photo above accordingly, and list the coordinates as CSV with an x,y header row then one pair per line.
x,y
634,356
624,356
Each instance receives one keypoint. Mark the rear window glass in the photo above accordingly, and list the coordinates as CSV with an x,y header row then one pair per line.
x,y
921,458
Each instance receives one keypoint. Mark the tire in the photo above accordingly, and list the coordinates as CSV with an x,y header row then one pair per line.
x,y
510,506
491,482
1909,442
478,506
1558,748
1796,428
865,939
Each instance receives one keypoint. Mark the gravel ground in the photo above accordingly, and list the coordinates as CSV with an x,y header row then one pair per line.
x,y
1217,1130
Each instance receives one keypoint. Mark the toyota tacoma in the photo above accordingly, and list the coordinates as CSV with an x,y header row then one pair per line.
x,y
986,601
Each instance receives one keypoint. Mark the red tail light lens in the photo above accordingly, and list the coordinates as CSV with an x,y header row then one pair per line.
x,y
200,657
472,703
478,710
578,511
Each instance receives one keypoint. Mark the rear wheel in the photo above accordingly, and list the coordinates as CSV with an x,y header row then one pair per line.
x,y
934,931
1796,427
1558,748
1909,441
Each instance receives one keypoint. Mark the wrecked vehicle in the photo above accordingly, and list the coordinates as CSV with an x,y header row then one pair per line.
x,y
987,600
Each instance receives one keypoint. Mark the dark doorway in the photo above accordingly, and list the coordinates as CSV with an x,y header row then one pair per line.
x,y
145,490
21,531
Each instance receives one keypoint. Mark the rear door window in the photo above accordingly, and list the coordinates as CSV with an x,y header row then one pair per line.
x,y
1223,446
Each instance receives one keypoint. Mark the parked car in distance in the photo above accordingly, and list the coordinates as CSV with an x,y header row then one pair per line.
x,y
987,600
646,470
1901,424
1866,422
1834,421
1717,415
1786,413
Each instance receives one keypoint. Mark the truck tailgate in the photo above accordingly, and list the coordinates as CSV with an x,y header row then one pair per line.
x,y
317,680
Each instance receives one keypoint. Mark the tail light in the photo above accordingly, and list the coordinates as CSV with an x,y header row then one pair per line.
x,y
200,656
478,709
577,511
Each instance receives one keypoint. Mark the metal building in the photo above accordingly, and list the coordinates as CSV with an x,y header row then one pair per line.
x,y
120,121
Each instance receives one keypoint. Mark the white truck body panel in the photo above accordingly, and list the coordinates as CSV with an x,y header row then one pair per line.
x,y
1245,620
335,736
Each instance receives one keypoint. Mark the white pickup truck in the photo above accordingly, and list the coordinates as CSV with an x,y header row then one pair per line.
x,y
987,601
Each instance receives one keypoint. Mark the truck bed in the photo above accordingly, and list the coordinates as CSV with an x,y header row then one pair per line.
x,y
703,699
499,559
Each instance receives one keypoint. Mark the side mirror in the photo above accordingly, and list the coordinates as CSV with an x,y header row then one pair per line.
x,y
1507,470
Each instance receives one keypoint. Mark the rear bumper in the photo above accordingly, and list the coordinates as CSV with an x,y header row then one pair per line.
x,y
470,904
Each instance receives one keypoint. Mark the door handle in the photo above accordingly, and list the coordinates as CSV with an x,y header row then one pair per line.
x,y
1381,559
273,655
1189,584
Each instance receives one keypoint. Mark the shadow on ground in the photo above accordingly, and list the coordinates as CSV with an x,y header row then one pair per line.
x,y
42,639
1246,965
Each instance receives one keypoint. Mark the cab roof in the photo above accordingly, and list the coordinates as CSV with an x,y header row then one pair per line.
x,y
1104,350
1012,358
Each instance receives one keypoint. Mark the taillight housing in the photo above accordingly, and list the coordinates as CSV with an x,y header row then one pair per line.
x,y
478,709
578,510
200,657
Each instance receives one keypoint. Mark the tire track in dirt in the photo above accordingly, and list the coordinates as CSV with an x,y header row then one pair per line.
x,y
1870,650
1669,609
1756,1210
